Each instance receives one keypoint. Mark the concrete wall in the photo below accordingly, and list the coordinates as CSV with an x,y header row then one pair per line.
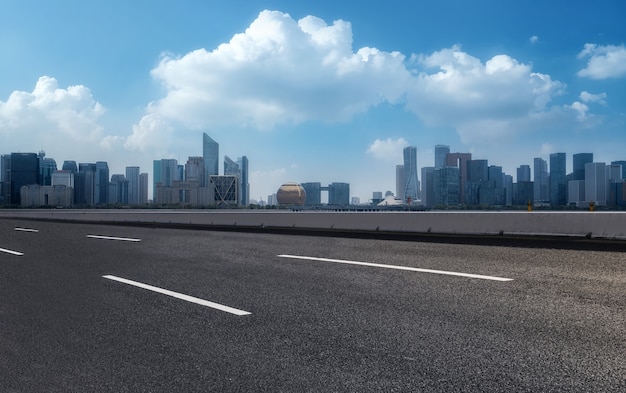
x,y
595,224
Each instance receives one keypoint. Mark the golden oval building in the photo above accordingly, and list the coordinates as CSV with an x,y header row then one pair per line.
x,y
291,194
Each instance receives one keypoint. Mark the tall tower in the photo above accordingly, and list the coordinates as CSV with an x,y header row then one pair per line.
x,y
540,180
400,181
579,161
101,183
410,173
245,184
558,180
132,175
441,151
231,168
210,154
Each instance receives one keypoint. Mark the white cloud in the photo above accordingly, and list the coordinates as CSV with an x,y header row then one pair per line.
x,y
588,97
279,71
605,61
65,121
547,149
581,110
534,39
388,150
494,99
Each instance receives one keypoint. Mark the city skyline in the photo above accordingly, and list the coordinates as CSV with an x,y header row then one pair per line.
x,y
321,92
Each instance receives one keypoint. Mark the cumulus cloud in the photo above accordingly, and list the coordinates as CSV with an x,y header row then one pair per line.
x,y
71,113
604,61
388,150
279,71
489,99
534,39
63,120
588,97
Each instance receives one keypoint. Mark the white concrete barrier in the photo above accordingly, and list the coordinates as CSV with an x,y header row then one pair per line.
x,y
592,224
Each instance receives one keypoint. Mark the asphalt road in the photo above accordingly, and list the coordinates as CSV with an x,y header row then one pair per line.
x,y
69,323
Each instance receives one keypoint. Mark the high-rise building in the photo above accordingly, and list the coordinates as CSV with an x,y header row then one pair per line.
x,y
541,184
84,182
245,180
446,186
132,176
523,173
24,172
313,193
338,193
558,180
70,166
143,188
46,167
210,154
411,188
194,170
623,165
596,183
232,168
441,152
400,182
459,160
118,192
428,186
579,161
101,183
5,179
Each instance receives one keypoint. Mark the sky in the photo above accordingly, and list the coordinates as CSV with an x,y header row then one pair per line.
x,y
313,91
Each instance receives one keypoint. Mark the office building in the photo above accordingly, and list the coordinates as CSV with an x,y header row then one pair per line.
x,y
63,178
400,181
5,179
623,165
101,183
24,172
596,183
313,191
85,184
132,176
541,181
119,189
210,154
523,173
459,160
338,193
224,189
244,188
46,167
579,161
411,188
143,188
441,152
70,166
446,186
428,186
558,180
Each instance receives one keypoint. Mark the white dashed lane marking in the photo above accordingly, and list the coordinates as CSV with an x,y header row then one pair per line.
x,y
26,230
11,252
413,269
181,296
125,239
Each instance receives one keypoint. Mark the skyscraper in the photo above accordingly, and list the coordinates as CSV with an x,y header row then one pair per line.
x,y
541,178
596,183
132,176
580,160
558,180
210,154
84,182
523,173
460,160
143,188
24,172
441,151
428,186
410,172
101,183
401,181
245,182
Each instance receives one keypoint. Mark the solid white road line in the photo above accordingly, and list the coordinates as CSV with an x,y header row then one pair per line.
x,y
413,269
177,295
126,239
26,230
11,252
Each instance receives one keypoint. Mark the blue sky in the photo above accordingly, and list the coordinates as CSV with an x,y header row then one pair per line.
x,y
313,90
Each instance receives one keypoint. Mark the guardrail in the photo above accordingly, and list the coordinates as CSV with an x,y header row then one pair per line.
x,y
606,225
